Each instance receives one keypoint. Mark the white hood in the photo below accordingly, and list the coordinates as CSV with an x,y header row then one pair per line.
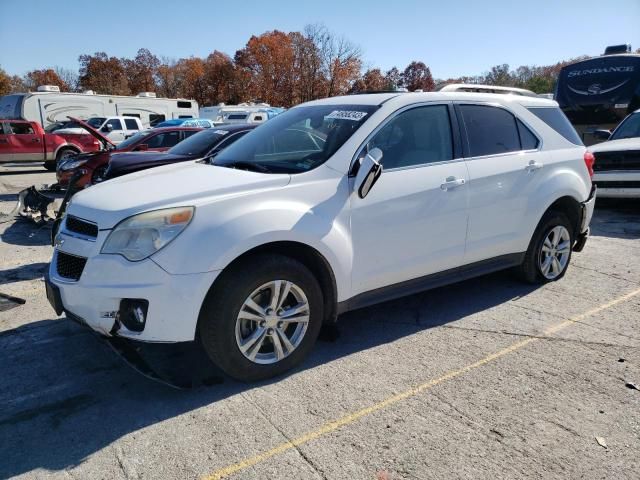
x,y
184,184
616,145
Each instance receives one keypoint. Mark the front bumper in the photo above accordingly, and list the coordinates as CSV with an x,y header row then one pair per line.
x,y
94,299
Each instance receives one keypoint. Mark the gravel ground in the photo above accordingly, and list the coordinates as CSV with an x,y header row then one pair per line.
x,y
488,378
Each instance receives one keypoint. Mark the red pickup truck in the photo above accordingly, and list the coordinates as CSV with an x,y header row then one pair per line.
x,y
24,141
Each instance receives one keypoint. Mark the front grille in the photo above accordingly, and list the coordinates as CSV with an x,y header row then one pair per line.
x,y
70,266
606,161
77,225
618,184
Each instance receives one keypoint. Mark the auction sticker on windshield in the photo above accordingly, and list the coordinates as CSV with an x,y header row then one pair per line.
x,y
347,115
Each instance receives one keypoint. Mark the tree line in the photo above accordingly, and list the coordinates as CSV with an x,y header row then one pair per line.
x,y
279,68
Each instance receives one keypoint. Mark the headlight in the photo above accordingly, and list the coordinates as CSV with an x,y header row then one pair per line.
x,y
142,235
71,164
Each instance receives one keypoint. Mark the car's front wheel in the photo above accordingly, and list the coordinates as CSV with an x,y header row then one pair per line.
x,y
549,252
262,318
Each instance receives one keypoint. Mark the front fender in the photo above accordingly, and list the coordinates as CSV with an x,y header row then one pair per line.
x,y
224,230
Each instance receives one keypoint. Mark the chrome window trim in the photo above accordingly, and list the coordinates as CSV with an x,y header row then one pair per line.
x,y
517,117
393,115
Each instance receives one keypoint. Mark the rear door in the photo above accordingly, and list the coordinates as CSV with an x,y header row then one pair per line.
x,y
131,126
504,162
20,142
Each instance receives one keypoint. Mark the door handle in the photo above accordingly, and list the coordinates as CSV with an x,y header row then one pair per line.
x,y
451,183
533,166
35,140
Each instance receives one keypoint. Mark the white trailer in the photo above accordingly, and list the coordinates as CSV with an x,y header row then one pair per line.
x,y
48,105
241,113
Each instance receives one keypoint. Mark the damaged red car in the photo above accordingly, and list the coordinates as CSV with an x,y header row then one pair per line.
x,y
91,167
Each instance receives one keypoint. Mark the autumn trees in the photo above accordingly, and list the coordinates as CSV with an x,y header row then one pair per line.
x,y
280,68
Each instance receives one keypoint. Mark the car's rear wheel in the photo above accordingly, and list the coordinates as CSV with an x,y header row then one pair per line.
x,y
262,318
549,252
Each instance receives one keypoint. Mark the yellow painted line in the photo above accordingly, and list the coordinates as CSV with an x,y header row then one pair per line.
x,y
336,424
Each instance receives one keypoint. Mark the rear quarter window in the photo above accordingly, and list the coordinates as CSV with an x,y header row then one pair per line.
x,y
557,120
131,124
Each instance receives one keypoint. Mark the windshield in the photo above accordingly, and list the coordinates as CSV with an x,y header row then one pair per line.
x,y
199,144
629,128
96,122
296,141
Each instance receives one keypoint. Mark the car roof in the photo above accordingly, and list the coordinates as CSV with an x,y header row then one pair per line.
x,y
408,98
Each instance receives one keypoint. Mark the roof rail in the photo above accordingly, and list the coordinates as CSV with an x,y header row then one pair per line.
x,y
479,88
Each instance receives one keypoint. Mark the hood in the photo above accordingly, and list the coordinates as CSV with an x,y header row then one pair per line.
x,y
179,184
101,138
124,159
616,145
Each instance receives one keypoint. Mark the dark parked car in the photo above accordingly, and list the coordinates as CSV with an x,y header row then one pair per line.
x,y
92,166
203,144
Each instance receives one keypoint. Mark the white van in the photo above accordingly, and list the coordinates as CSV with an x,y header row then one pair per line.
x,y
48,105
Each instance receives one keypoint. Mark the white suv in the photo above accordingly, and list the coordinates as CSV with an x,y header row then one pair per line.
x,y
331,206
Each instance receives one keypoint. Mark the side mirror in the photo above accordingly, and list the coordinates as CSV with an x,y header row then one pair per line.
x,y
369,172
142,147
602,134
107,128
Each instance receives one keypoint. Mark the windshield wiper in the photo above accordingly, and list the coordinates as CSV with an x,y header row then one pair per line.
x,y
244,165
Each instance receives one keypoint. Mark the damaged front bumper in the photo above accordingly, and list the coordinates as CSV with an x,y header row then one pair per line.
x,y
116,297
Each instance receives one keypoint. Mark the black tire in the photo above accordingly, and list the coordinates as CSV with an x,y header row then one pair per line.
x,y
217,320
50,165
530,270
98,174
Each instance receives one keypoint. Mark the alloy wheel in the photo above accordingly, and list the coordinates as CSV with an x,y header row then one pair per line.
x,y
272,322
555,252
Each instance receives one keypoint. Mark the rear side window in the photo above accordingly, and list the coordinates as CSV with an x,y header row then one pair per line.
x,y
21,128
557,120
164,140
527,139
490,130
131,124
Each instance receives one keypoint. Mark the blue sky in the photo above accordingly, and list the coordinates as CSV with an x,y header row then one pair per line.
x,y
463,37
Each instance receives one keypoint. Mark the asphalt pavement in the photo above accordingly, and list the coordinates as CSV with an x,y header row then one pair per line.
x,y
488,378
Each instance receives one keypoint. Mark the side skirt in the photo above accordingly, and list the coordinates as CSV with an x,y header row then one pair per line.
x,y
431,281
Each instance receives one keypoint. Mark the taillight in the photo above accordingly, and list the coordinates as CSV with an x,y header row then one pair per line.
x,y
589,160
